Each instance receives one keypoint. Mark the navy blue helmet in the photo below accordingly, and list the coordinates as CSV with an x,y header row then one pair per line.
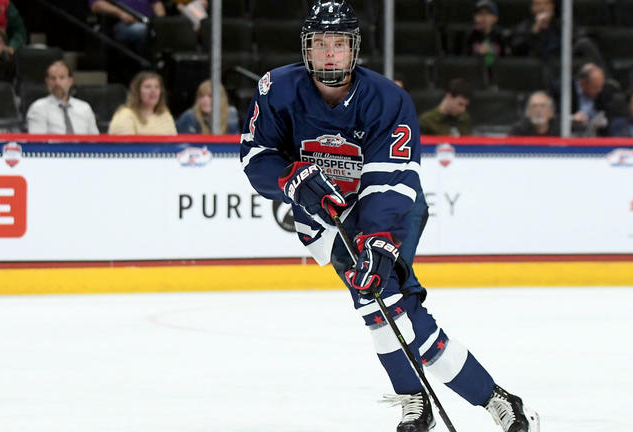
x,y
331,26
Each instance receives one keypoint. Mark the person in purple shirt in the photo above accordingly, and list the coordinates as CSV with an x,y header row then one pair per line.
x,y
129,29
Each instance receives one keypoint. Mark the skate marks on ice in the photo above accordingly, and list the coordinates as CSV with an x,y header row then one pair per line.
x,y
298,361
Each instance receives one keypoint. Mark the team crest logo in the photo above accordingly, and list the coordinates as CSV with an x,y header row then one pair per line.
x,y
264,84
620,157
339,159
12,153
445,154
194,157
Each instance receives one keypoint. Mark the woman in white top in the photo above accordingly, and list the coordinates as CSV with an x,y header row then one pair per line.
x,y
146,111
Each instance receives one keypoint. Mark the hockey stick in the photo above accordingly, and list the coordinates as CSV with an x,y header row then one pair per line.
x,y
383,308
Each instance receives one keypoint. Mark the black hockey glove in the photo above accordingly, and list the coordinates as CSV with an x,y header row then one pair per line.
x,y
306,185
378,253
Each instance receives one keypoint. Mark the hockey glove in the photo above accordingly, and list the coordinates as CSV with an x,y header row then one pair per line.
x,y
306,185
378,253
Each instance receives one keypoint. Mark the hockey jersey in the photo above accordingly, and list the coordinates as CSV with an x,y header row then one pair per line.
x,y
369,144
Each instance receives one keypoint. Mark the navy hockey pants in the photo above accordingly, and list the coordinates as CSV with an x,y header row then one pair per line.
x,y
444,358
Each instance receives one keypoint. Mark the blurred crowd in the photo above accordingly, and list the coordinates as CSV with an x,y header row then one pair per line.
x,y
449,102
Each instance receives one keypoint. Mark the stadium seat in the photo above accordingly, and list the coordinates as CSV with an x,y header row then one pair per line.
x,y
454,11
512,12
615,42
454,39
235,9
172,34
271,61
413,70
414,38
280,9
237,35
10,120
367,11
29,92
185,72
104,100
427,99
494,108
410,10
623,12
469,68
33,62
591,13
519,73
622,69
277,36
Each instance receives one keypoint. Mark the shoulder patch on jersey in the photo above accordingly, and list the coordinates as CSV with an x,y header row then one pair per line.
x,y
264,84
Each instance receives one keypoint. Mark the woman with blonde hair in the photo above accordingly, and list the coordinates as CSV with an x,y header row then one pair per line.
x,y
196,120
146,111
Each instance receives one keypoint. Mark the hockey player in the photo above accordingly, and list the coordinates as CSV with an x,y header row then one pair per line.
x,y
327,133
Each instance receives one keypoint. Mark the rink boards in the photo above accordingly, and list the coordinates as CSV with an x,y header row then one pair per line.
x,y
105,214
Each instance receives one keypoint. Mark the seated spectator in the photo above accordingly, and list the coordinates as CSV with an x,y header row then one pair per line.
x,y
59,113
196,120
623,126
538,35
539,117
485,39
194,10
591,101
7,59
128,29
450,116
12,24
146,111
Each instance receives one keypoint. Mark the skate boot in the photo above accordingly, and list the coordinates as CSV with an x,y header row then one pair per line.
x,y
416,412
508,411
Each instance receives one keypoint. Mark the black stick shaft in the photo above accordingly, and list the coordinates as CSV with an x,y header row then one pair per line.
x,y
403,343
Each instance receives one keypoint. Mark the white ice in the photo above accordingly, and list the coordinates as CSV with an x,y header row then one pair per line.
x,y
299,361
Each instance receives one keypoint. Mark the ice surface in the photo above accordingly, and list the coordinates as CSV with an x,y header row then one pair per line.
x,y
299,361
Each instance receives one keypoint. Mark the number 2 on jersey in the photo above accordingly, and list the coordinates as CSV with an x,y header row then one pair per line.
x,y
400,148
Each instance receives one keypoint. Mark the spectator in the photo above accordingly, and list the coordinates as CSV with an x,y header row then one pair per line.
x,y
59,113
591,101
12,24
539,117
129,29
450,116
196,120
623,126
538,35
194,10
145,112
485,39
7,60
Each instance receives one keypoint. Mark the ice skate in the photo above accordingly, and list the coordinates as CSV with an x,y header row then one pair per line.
x,y
416,412
508,411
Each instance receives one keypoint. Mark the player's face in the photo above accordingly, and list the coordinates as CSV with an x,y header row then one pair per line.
x,y
59,81
330,51
150,92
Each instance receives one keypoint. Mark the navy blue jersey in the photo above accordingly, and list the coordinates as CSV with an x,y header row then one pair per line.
x,y
369,144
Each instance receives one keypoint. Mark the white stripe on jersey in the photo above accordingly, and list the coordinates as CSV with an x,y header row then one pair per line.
x,y
450,362
390,167
400,188
254,151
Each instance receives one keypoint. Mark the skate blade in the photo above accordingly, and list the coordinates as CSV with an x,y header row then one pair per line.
x,y
534,421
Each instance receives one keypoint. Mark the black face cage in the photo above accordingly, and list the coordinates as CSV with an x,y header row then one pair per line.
x,y
333,77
